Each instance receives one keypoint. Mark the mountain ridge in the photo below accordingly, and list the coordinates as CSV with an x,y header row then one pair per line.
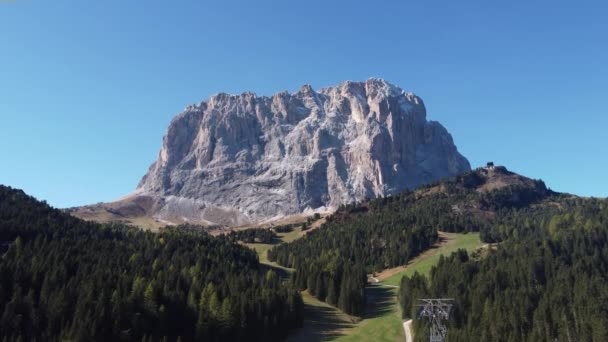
x,y
240,159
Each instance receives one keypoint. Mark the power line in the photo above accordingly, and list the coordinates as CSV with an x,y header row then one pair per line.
x,y
436,310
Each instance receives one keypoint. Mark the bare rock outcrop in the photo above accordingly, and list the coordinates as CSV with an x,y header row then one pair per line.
x,y
237,159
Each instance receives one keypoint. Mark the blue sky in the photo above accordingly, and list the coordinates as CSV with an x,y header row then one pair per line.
x,y
87,88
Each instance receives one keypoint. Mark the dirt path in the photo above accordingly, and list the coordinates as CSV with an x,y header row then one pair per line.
x,y
375,282
407,327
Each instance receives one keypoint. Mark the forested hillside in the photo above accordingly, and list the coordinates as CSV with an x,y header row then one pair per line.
x,y
548,281
65,279
332,262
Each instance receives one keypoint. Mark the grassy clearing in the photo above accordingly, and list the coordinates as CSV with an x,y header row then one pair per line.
x,y
262,248
103,216
382,321
423,263
322,322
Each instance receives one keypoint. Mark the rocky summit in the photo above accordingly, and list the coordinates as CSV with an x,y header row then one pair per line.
x,y
239,159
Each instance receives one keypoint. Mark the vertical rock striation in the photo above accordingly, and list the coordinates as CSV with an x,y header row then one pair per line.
x,y
238,159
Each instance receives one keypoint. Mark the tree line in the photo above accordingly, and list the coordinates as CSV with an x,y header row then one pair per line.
x,y
547,281
386,232
254,235
333,261
62,278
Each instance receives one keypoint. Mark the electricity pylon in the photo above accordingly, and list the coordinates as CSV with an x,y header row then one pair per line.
x,y
437,310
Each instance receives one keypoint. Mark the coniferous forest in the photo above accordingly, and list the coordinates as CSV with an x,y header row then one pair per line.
x,y
332,262
544,278
547,281
65,279
363,238
254,235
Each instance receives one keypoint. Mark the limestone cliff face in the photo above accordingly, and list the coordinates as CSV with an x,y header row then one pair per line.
x,y
236,159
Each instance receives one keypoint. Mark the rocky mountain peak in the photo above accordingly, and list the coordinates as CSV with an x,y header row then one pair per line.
x,y
245,158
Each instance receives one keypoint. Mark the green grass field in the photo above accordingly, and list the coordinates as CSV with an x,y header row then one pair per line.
x,y
262,248
322,322
382,321
423,263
